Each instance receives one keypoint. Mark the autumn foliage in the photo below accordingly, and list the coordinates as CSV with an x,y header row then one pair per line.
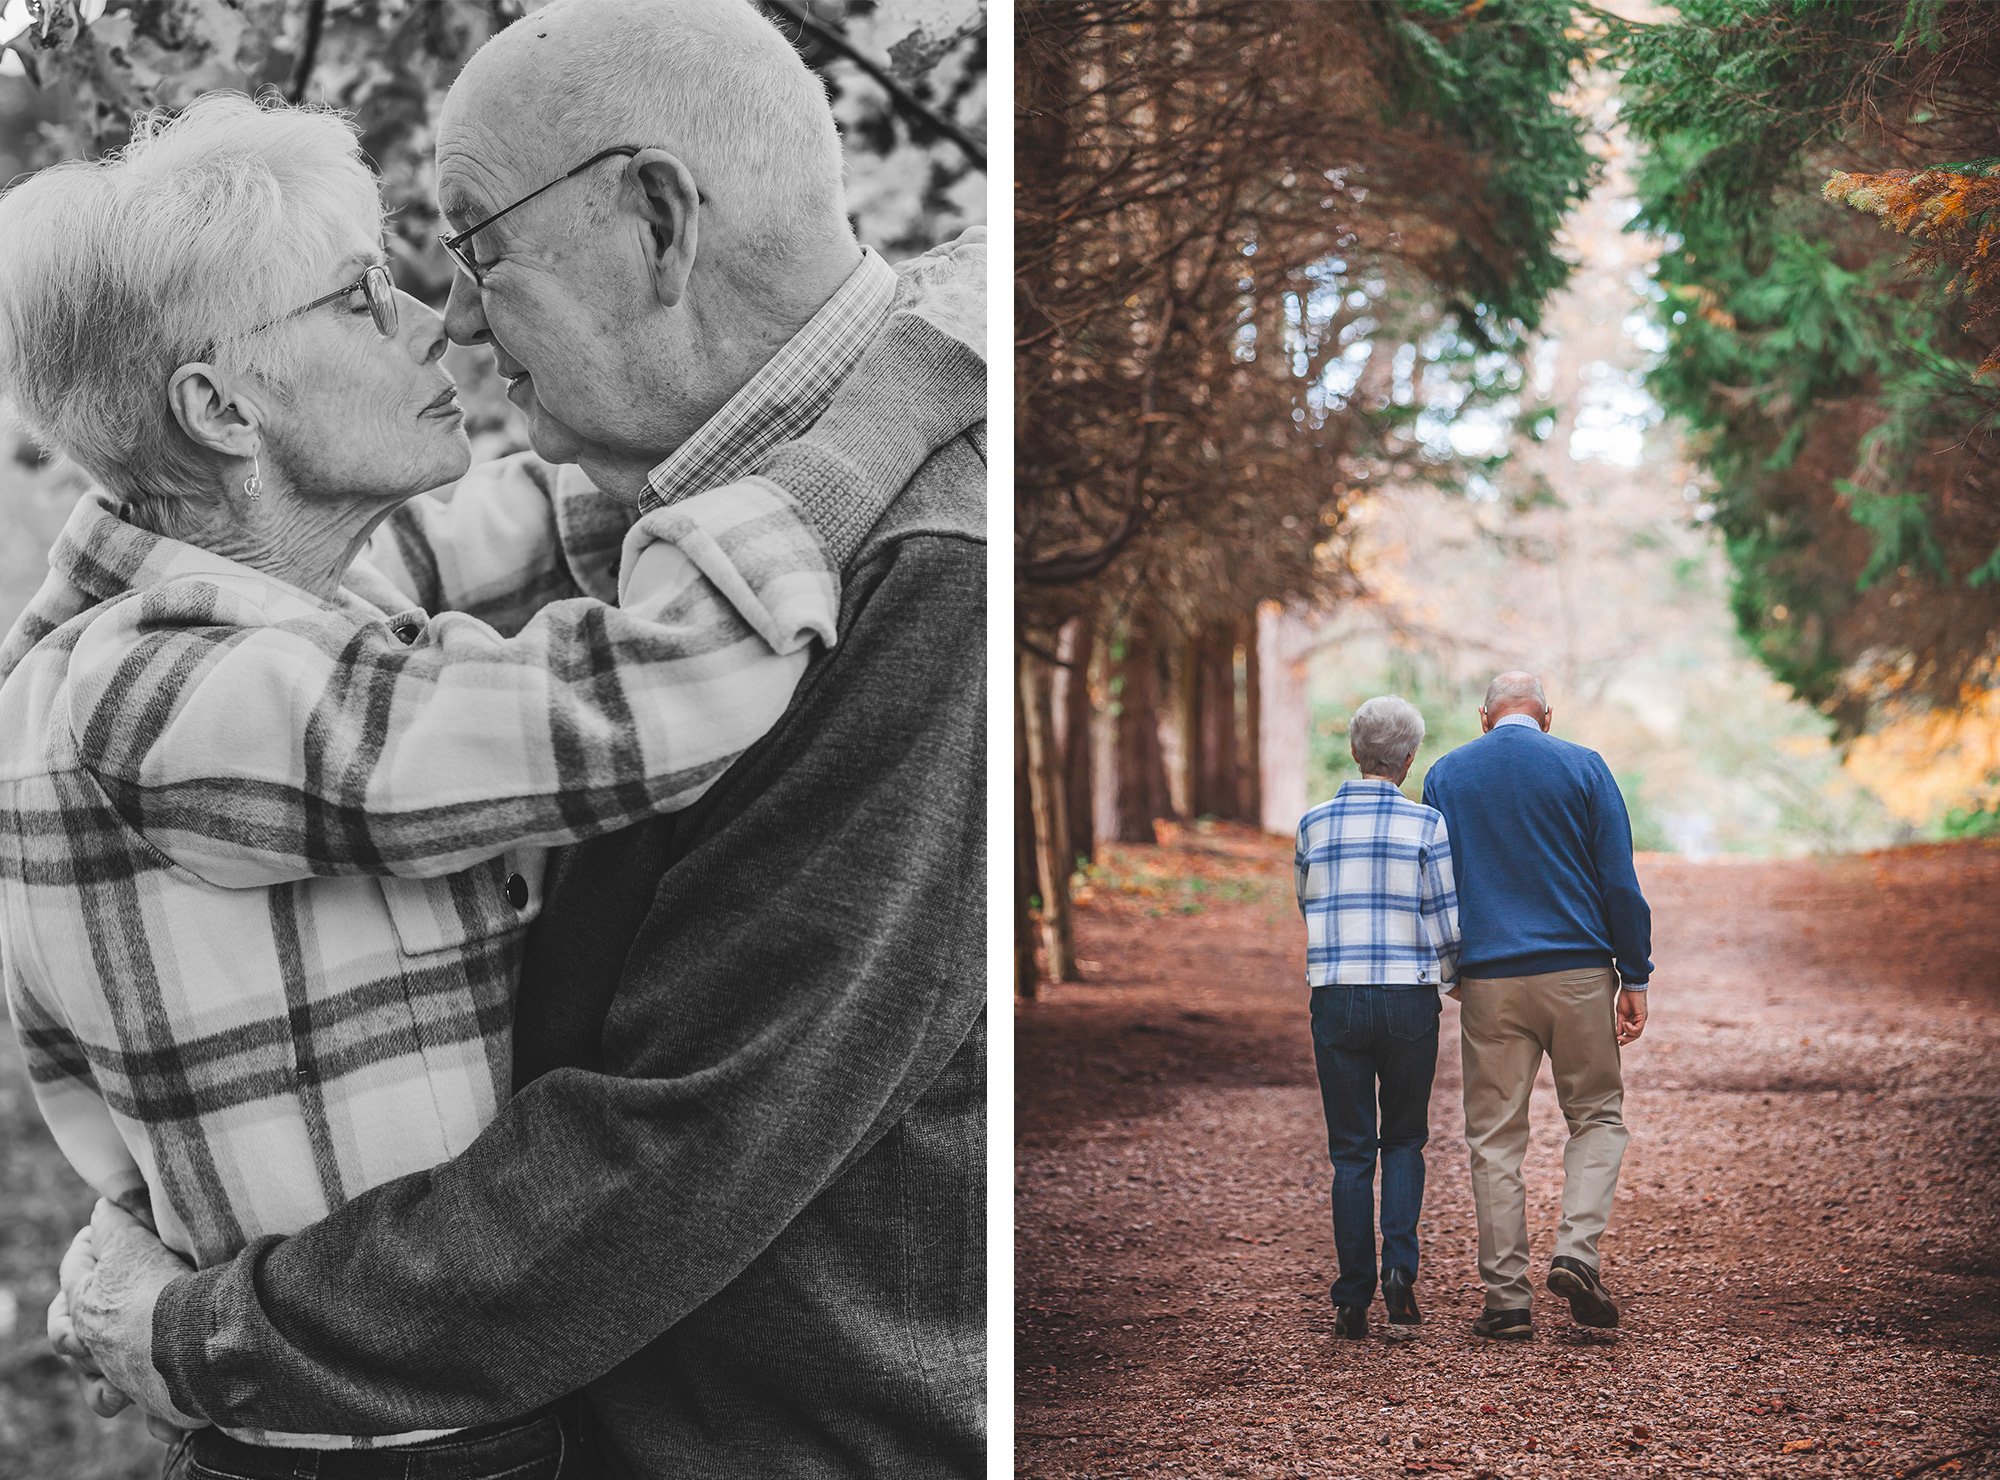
x,y
1839,386
1953,213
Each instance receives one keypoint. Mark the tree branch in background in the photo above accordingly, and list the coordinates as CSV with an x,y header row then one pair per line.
x,y
905,101
295,93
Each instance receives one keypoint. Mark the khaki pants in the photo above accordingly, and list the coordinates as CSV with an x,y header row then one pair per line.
x,y
1506,1024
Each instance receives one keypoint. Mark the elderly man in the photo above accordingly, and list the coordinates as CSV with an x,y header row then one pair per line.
x,y
1374,882
1549,905
738,1198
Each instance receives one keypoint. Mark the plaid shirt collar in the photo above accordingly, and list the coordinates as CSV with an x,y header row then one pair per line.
x,y
786,396
102,554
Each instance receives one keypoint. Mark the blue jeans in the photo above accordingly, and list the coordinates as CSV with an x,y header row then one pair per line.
x,y
533,1448
1362,1035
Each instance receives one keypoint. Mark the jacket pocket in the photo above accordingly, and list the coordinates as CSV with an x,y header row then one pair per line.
x,y
491,898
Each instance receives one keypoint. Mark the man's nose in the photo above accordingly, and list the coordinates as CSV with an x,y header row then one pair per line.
x,y
464,314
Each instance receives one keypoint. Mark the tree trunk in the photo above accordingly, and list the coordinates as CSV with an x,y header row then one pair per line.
x,y
1142,766
1211,711
1284,716
1250,803
1074,711
1027,972
1045,795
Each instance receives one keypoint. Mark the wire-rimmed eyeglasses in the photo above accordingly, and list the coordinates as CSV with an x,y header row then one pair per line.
x,y
374,282
456,243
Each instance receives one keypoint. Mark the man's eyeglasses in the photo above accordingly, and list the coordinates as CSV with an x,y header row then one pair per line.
x,y
374,283
456,244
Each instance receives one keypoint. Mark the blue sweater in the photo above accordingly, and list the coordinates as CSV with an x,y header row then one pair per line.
x,y
1542,850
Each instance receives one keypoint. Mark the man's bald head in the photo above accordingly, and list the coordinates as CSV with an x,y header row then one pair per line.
x,y
1517,692
710,81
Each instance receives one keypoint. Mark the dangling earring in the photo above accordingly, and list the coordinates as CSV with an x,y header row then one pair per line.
x,y
254,484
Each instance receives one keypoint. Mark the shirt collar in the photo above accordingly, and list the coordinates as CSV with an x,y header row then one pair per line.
x,y
1371,783
1517,720
786,396
102,554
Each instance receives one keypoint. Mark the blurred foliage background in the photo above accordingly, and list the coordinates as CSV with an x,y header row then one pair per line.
x,y
907,79
1822,179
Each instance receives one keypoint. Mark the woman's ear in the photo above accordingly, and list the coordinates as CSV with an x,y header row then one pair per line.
x,y
210,415
670,211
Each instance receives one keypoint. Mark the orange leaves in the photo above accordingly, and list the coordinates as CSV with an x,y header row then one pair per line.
x,y
1953,213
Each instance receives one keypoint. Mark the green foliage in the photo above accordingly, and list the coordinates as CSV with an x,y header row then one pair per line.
x,y
1964,822
1831,391
1493,76
1901,528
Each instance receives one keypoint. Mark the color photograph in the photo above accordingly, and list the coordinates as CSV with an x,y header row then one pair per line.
x,y
1507,704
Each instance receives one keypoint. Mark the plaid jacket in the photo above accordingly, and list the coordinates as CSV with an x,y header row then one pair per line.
x,y
266,861
1373,872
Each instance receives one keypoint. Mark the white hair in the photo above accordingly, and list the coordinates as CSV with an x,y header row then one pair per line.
x,y
1516,688
116,272
1384,733
716,84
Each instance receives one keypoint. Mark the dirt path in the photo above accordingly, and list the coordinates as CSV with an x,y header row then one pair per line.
x,y
1805,1233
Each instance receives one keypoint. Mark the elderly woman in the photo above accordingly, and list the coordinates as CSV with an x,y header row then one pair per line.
x,y
1375,886
269,837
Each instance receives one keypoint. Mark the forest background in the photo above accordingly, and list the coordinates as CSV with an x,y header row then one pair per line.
x,y
1651,349
908,84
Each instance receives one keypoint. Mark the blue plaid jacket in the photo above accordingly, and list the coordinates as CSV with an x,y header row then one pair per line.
x,y
1374,882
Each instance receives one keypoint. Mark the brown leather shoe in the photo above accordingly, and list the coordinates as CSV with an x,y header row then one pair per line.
x,y
1401,1302
1590,1304
1505,1325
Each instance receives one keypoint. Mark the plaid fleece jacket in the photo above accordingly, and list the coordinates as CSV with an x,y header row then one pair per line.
x,y
266,861
1373,871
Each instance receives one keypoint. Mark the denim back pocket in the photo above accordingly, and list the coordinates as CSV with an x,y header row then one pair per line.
x,y
1412,1013
1332,1015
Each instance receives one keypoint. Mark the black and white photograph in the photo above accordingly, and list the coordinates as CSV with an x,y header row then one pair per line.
x,y
493,739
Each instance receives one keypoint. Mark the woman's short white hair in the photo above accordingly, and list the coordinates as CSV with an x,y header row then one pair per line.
x,y
1384,733
115,272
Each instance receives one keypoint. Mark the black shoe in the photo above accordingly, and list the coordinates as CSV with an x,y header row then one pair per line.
x,y
1401,1300
1350,1321
1505,1325
1590,1304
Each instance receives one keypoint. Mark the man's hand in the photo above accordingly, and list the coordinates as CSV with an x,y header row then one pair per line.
x,y
102,1322
1631,1016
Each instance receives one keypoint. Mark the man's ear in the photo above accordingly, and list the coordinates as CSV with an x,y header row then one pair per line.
x,y
209,413
670,209
1548,718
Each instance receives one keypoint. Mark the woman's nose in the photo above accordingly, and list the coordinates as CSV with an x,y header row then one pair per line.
x,y
426,327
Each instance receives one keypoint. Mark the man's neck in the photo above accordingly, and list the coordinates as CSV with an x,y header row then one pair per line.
x,y
733,341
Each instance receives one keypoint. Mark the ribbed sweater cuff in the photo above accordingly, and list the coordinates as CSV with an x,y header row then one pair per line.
x,y
180,1335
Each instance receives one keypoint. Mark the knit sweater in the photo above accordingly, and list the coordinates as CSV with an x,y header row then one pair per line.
x,y
1542,848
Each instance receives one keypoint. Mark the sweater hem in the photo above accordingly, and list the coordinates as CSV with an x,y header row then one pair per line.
x,y
1538,964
